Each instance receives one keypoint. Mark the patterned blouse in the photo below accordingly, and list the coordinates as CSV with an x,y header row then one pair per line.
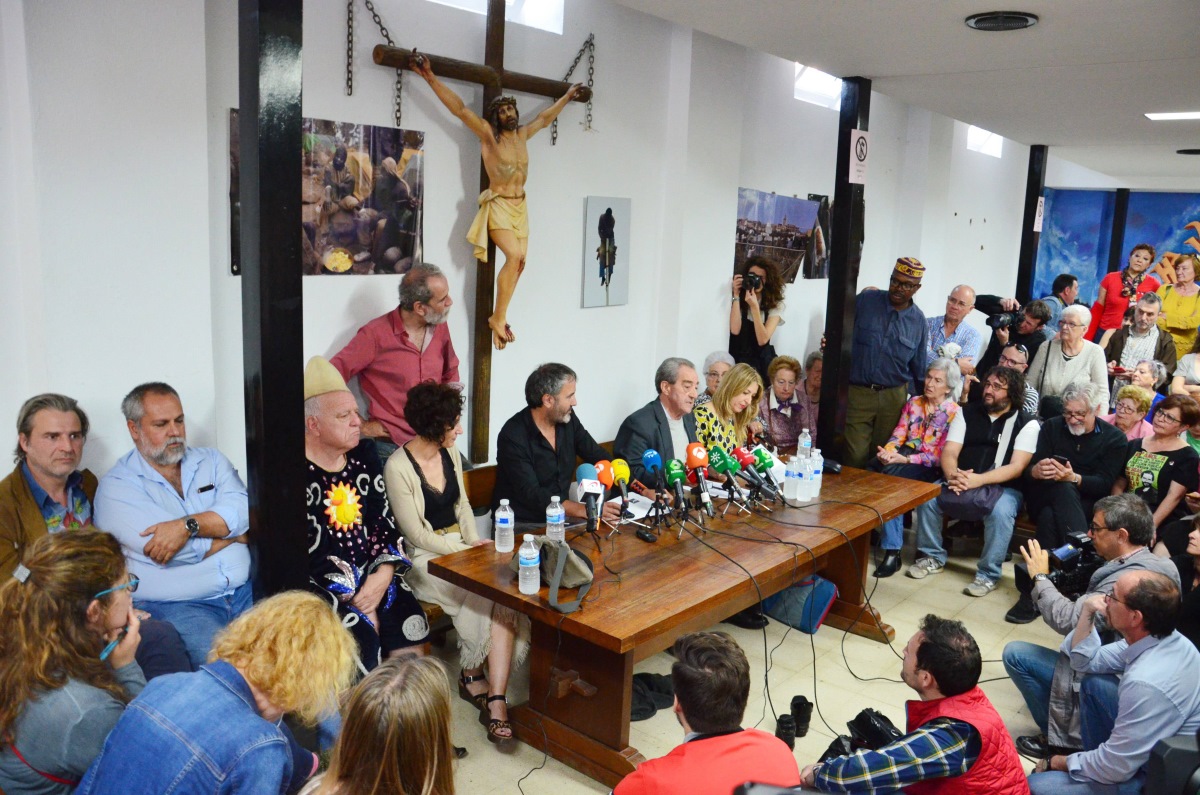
x,y
711,429
923,429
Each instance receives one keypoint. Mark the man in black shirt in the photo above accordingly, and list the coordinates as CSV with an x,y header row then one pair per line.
x,y
1027,331
537,447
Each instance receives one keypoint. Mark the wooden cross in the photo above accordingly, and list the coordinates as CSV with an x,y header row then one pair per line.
x,y
494,79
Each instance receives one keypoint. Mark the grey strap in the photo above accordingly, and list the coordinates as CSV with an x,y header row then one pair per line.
x,y
564,551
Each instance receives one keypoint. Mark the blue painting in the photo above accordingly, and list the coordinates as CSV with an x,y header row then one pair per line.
x,y
1161,220
1076,236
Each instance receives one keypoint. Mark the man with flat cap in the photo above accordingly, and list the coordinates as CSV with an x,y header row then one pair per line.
x,y
890,341
354,547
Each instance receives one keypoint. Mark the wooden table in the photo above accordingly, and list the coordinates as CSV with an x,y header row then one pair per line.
x,y
581,665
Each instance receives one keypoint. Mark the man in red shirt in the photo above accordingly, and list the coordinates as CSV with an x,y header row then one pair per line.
x,y
711,677
395,352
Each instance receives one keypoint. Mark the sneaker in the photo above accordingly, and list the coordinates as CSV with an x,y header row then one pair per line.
x,y
924,567
981,587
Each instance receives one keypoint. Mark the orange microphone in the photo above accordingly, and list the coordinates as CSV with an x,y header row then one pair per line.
x,y
697,462
604,473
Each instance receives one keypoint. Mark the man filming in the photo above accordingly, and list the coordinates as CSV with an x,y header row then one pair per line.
x,y
1011,325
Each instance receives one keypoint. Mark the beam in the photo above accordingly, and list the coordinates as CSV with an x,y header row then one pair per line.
x,y
269,43
1035,185
1116,242
487,75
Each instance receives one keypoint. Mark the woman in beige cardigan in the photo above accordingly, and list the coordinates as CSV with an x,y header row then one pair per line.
x,y
425,487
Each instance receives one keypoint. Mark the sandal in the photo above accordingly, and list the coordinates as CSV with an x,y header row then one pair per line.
x,y
478,699
495,725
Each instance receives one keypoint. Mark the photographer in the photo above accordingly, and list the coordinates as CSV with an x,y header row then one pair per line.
x,y
756,311
1011,325
1121,531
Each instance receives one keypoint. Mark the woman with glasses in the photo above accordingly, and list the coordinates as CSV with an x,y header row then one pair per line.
x,y
1120,289
66,659
1186,379
716,365
1070,358
756,311
1162,468
1181,305
1130,415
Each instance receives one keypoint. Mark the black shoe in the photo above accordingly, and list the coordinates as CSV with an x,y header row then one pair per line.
x,y
785,729
459,752
750,618
1022,612
1033,746
890,564
801,713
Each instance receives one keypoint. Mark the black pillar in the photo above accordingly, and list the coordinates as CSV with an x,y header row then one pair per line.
x,y
1035,183
269,42
1116,243
845,257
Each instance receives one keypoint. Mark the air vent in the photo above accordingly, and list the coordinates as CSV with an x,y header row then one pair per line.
x,y
1002,20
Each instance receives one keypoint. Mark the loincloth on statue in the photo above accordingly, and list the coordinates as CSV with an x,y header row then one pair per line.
x,y
497,212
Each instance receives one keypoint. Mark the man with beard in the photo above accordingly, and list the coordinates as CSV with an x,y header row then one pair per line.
x,y
395,352
502,212
537,447
181,515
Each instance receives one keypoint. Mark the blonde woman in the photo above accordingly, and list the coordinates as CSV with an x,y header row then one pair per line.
x,y
725,420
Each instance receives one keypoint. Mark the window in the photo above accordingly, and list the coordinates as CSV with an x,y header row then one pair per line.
x,y
813,85
542,14
980,140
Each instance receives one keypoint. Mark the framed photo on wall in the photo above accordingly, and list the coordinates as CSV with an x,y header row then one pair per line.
x,y
606,251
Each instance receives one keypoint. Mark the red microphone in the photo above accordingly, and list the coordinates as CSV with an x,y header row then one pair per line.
x,y
697,462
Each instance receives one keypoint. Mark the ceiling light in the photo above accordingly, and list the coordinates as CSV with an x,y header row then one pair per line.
x,y
1001,20
1183,116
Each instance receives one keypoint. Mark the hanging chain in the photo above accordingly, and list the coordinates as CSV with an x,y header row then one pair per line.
x,y
589,47
399,98
349,48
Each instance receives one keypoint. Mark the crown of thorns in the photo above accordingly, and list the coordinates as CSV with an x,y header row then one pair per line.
x,y
495,104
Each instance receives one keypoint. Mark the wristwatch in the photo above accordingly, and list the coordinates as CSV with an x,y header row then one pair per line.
x,y
192,526
1039,577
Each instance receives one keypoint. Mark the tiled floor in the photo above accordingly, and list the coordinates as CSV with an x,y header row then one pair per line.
x,y
840,690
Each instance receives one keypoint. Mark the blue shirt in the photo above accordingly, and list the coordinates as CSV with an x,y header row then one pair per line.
x,y
1156,699
1050,330
133,496
77,513
890,344
966,337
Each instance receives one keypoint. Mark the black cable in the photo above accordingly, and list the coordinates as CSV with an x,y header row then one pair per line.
x,y
545,704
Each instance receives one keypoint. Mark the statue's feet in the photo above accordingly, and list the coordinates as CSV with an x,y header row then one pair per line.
x,y
502,333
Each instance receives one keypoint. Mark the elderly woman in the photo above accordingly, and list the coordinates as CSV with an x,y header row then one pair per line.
x,y
756,311
1130,415
1181,305
914,450
716,365
780,414
1150,374
1162,468
1186,379
725,421
1119,290
1069,358
426,491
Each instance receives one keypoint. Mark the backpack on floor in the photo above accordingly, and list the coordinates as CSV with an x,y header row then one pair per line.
x,y
803,605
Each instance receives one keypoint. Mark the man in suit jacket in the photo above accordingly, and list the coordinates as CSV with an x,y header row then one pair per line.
x,y
664,424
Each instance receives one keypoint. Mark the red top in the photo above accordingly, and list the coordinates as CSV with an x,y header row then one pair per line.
x,y
388,364
1112,311
715,765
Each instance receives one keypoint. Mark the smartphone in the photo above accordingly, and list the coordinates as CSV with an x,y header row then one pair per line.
x,y
1062,459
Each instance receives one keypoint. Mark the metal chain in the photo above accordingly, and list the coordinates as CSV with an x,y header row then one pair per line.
x,y
589,47
399,97
349,48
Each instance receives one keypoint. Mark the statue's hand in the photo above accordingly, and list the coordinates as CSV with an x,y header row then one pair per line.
x,y
420,65
573,91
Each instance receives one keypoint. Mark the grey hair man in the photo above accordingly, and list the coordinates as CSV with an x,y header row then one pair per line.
x,y
665,423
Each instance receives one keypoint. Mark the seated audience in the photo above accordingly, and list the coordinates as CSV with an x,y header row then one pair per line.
x,y
982,462
1026,331
1149,375
711,681
1162,468
1129,415
664,424
1186,376
1181,305
181,515
1070,359
354,557
1156,699
756,311
726,420
716,365
914,450
67,665
1121,531
1141,341
426,490
951,327
220,729
1118,289
785,411
1188,563
955,740
46,494
1014,356
395,736
537,447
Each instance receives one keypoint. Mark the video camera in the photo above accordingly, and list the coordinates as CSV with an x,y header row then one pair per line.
x,y
1006,319
1073,564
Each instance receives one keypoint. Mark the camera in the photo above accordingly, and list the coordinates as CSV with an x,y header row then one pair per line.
x,y
1073,564
1005,319
753,281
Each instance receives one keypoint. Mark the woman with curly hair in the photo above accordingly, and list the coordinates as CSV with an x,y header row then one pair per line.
x,y
220,729
395,736
66,659
1119,290
755,313
725,420
425,488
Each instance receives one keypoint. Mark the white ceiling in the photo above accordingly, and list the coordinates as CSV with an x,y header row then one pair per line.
x,y
1079,81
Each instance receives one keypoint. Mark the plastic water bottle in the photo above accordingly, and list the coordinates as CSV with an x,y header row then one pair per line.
x,y
556,520
804,446
502,532
818,462
791,480
806,480
529,577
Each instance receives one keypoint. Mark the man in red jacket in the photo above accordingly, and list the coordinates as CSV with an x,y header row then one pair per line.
x,y
956,742
711,677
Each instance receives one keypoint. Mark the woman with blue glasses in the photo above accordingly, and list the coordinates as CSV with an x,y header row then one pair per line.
x,y
66,659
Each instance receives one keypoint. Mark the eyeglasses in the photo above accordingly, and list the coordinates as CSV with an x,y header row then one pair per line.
x,y
908,287
132,585
1069,324
1007,362
1165,417
1095,528
1021,349
952,301
1075,415
1110,598
712,374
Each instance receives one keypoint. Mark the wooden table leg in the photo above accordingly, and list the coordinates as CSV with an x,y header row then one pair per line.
x,y
846,567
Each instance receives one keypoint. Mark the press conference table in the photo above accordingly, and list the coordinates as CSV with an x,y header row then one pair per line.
x,y
581,664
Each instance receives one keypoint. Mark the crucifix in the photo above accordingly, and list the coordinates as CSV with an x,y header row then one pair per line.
x,y
494,78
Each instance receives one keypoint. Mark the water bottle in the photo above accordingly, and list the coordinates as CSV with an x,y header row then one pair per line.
x,y
556,520
502,533
818,463
804,479
804,446
791,480
529,577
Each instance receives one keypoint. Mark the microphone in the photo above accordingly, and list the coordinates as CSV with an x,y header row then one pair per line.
x,y
591,492
620,470
604,473
748,471
675,478
764,463
727,466
697,461
652,462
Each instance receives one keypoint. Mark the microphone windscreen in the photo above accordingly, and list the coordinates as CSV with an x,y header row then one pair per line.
x,y
744,457
762,460
697,456
652,461
674,470
620,468
585,472
732,463
604,473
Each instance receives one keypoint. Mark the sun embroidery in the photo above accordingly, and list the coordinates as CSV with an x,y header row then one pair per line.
x,y
343,507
